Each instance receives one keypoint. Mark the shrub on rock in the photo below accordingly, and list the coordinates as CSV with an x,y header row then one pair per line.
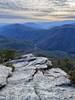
x,y
7,55
72,76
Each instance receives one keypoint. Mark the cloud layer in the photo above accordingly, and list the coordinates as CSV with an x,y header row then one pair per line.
x,y
38,9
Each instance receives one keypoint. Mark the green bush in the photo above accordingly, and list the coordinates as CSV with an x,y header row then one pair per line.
x,y
10,65
65,64
7,55
72,76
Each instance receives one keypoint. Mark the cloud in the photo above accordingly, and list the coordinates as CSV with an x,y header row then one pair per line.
x,y
38,9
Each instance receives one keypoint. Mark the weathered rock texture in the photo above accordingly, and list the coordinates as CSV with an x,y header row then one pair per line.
x,y
34,80
5,72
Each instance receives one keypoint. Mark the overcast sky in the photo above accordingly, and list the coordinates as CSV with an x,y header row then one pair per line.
x,y
36,10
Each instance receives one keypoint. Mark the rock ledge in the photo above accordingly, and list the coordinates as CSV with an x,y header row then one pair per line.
x,y
33,80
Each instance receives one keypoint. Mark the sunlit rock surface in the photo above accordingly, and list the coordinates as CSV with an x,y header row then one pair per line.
x,y
34,80
5,72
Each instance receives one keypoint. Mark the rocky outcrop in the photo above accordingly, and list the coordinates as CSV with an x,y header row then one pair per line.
x,y
5,72
34,80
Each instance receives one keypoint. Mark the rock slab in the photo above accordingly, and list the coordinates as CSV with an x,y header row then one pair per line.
x,y
34,80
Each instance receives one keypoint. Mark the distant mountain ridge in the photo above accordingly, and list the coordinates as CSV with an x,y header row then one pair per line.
x,y
61,38
21,36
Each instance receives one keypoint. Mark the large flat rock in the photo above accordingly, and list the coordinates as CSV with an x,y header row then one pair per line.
x,y
33,81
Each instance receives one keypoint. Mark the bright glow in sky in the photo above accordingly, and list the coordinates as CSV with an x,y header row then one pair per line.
x,y
32,10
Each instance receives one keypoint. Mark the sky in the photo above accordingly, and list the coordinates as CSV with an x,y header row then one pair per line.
x,y
36,10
